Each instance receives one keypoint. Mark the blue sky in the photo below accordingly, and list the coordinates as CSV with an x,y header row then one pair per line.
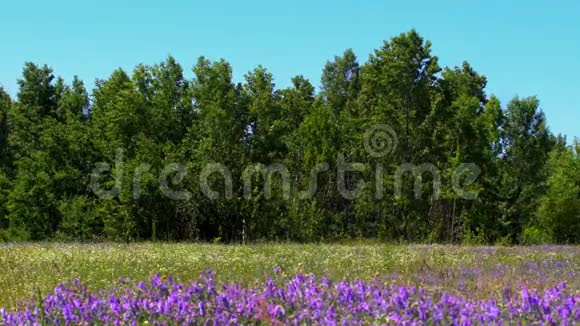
x,y
523,47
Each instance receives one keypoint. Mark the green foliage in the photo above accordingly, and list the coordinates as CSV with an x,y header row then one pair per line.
x,y
559,210
534,235
5,160
4,192
5,105
80,220
527,146
144,134
475,238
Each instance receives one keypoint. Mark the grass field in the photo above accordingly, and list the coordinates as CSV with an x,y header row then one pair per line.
x,y
31,269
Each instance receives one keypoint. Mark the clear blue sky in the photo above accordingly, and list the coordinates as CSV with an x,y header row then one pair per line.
x,y
523,47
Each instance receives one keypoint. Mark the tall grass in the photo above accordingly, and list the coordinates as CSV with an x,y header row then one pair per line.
x,y
29,269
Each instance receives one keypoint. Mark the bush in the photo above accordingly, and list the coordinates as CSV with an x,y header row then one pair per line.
x,y
533,235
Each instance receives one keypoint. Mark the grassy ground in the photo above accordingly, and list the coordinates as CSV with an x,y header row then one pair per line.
x,y
26,269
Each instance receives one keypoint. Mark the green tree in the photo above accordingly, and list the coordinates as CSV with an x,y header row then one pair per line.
x,y
168,112
325,134
53,158
341,82
5,105
218,136
30,203
559,209
465,127
5,158
180,153
399,90
527,144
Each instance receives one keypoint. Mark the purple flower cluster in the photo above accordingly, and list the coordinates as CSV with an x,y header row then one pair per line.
x,y
301,299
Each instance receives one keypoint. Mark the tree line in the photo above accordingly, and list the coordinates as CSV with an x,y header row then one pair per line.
x,y
54,134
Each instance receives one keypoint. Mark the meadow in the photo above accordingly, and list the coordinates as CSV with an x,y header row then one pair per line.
x,y
31,271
